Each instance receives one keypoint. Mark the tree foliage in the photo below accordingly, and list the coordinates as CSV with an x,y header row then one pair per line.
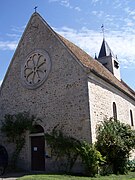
x,y
115,140
14,126
91,158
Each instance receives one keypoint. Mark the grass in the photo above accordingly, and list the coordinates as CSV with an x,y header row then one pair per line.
x,y
130,176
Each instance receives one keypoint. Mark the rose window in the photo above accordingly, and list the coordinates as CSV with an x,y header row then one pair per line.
x,y
36,69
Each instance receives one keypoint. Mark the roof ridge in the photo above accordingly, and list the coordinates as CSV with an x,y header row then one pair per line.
x,y
96,67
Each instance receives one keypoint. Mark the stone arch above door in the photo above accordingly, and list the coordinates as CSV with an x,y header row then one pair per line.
x,y
37,129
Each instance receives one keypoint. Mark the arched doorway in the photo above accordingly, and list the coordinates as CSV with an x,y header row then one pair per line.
x,y
37,149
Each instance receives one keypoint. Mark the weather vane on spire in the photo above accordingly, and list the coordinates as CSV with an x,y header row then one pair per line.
x,y
35,8
103,30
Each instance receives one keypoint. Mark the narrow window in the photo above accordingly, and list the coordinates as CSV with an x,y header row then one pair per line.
x,y
114,111
131,118
116,64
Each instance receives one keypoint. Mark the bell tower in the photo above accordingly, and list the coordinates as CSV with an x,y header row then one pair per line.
x,y
109,60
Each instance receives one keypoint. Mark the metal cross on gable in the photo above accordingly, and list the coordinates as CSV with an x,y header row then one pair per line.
x,y
35,8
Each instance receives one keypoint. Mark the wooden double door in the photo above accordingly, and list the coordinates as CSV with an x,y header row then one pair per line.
x,y
38,153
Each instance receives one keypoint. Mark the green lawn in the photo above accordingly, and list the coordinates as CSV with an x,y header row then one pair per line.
x,y
130,176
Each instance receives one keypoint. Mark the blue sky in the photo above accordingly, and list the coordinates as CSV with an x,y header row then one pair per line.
x,y
79,21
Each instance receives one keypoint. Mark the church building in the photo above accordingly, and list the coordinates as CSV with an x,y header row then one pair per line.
x,y
58,82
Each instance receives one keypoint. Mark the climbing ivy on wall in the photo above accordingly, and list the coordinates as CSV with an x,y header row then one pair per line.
x,y
14,127
67,149
64,148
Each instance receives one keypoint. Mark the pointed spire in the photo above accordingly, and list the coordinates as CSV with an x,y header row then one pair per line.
x,y
105,50
107,58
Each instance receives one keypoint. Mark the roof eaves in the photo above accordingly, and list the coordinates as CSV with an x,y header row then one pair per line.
x,y
89,67
112,83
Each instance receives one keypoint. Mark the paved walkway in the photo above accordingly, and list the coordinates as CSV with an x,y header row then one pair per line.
x,y
12,176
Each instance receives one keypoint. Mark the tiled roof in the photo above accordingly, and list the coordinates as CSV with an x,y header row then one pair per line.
x,y
93,65
97,68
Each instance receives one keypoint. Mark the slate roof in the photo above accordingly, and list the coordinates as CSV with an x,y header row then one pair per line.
x,y
97,68
105,50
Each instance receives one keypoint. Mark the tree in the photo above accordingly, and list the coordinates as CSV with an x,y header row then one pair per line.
x,y
115,140
15,126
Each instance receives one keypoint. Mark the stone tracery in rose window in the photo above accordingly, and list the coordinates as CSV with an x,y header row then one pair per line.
x,y
36,69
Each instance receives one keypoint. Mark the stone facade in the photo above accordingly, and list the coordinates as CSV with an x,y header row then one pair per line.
x,y
48,78
61,99
101,98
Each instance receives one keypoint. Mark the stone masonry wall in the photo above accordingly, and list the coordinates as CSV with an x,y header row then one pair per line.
x,y
101,98
61,99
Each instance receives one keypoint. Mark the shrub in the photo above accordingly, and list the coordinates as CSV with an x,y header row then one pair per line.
x,y
66,149
131,165
115,140
91,158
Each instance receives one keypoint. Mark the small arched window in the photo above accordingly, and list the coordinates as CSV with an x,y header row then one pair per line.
x,y
114,111
131,118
